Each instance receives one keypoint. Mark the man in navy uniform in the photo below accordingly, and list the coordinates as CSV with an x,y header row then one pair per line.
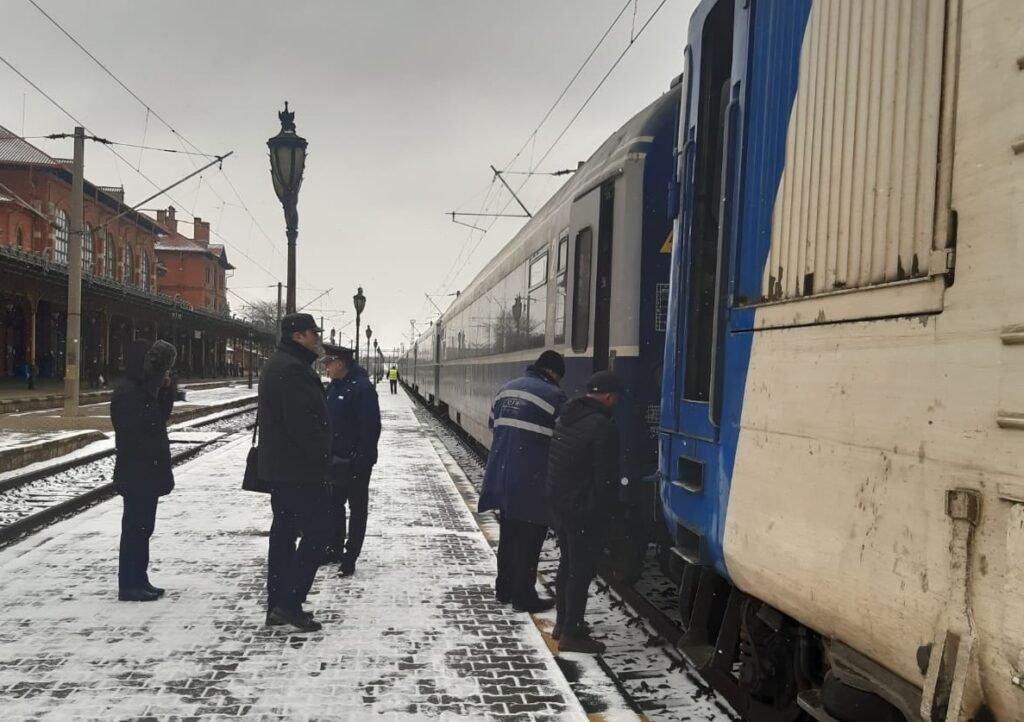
x,y
522,418
294,451
354,413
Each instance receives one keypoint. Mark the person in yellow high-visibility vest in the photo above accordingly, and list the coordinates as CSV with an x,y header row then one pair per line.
x,y
393,379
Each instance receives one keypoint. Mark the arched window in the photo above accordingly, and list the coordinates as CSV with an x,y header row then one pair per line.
x,y
87,249
108,257
19,238
128,274
144,272
60,237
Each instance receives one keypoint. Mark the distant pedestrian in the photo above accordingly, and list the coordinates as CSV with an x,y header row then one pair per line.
x,y
393,379
354,415
293,458
139,409
582,479
522,418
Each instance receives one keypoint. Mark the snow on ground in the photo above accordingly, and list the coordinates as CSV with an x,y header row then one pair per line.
x,y
414,634
11,440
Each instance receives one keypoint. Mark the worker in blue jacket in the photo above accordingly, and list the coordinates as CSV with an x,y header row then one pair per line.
x,y
353,413
522,419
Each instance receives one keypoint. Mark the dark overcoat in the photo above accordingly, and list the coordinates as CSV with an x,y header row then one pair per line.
x,y
294,442
354,415
522,418
139,409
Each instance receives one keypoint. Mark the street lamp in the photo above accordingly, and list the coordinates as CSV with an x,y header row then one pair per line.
x,y
376,361
359,301
369,333
287,162
250,358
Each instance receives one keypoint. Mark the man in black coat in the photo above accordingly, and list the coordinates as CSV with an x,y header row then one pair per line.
x,y
139,409
354,414
582,478
293,458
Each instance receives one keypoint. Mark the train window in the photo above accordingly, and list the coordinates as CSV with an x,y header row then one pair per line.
x,y
563,253
581,292
537,303
708,188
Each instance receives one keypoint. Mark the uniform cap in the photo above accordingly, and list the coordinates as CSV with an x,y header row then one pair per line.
x,y
332,351
297,323
604,382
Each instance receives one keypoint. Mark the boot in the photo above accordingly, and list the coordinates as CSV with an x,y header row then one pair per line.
x,y
297,619
155,590
533,605
583,644
347,567
556,631
138,594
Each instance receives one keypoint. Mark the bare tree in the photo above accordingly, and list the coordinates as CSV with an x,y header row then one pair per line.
x,y
261,313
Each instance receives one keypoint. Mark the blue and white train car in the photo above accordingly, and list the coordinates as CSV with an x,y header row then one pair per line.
x,y
587,276
842,426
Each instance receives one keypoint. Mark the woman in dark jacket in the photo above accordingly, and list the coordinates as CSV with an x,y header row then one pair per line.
x,y
139,409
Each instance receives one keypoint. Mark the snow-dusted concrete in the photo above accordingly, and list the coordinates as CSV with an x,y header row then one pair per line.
x,y
415,634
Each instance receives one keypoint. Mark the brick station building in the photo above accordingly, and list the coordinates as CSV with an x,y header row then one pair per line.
x,y
123,294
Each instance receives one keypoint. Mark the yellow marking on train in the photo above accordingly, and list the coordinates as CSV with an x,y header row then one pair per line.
x,y
666,247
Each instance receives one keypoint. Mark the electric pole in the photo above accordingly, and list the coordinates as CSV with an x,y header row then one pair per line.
x,y
278,329
72,341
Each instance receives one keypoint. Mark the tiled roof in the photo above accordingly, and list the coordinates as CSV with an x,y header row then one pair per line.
x,y
179,243
15,150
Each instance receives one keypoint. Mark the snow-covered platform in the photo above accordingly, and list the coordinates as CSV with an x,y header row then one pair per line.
x,y
415,634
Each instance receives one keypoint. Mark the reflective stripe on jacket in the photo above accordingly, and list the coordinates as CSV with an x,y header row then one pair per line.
x,y
522,418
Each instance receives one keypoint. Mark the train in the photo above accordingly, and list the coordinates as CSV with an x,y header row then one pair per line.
x,y
588,276
836,357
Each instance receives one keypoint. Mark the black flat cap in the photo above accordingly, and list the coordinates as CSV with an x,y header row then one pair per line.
x,y
604,382
297,323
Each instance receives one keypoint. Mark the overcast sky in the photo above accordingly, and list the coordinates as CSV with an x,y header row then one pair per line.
x,y
405,104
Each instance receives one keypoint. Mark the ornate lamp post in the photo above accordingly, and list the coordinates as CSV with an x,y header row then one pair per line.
x,y
359,301
376,361
369,333
287,162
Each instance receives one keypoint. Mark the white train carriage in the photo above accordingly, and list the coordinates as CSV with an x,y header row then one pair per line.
x,y
843,420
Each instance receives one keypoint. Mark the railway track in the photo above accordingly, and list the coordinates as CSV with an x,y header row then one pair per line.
x,y
639,624
39,497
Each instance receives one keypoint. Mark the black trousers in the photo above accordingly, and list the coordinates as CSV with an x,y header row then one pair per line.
x,y
580,544
299,511
350,528
519,546
137,523
394,386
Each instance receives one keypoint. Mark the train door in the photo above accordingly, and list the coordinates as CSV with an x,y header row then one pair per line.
x,y
709,116
603,291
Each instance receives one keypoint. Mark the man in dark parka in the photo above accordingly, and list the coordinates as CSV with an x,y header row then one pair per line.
x,y
582,479
354,413
139,409
293,458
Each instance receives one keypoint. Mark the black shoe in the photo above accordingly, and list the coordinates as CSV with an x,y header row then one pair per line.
x,y
503,598
274,621
347,568
556,631
534,605
298,619
583,644
137,595
156,590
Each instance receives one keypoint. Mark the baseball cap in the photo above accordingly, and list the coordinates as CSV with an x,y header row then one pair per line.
x,y
297,323
604,382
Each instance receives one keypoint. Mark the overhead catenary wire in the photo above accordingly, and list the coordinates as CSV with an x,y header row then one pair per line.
x,y
633,38
150,111
70,115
